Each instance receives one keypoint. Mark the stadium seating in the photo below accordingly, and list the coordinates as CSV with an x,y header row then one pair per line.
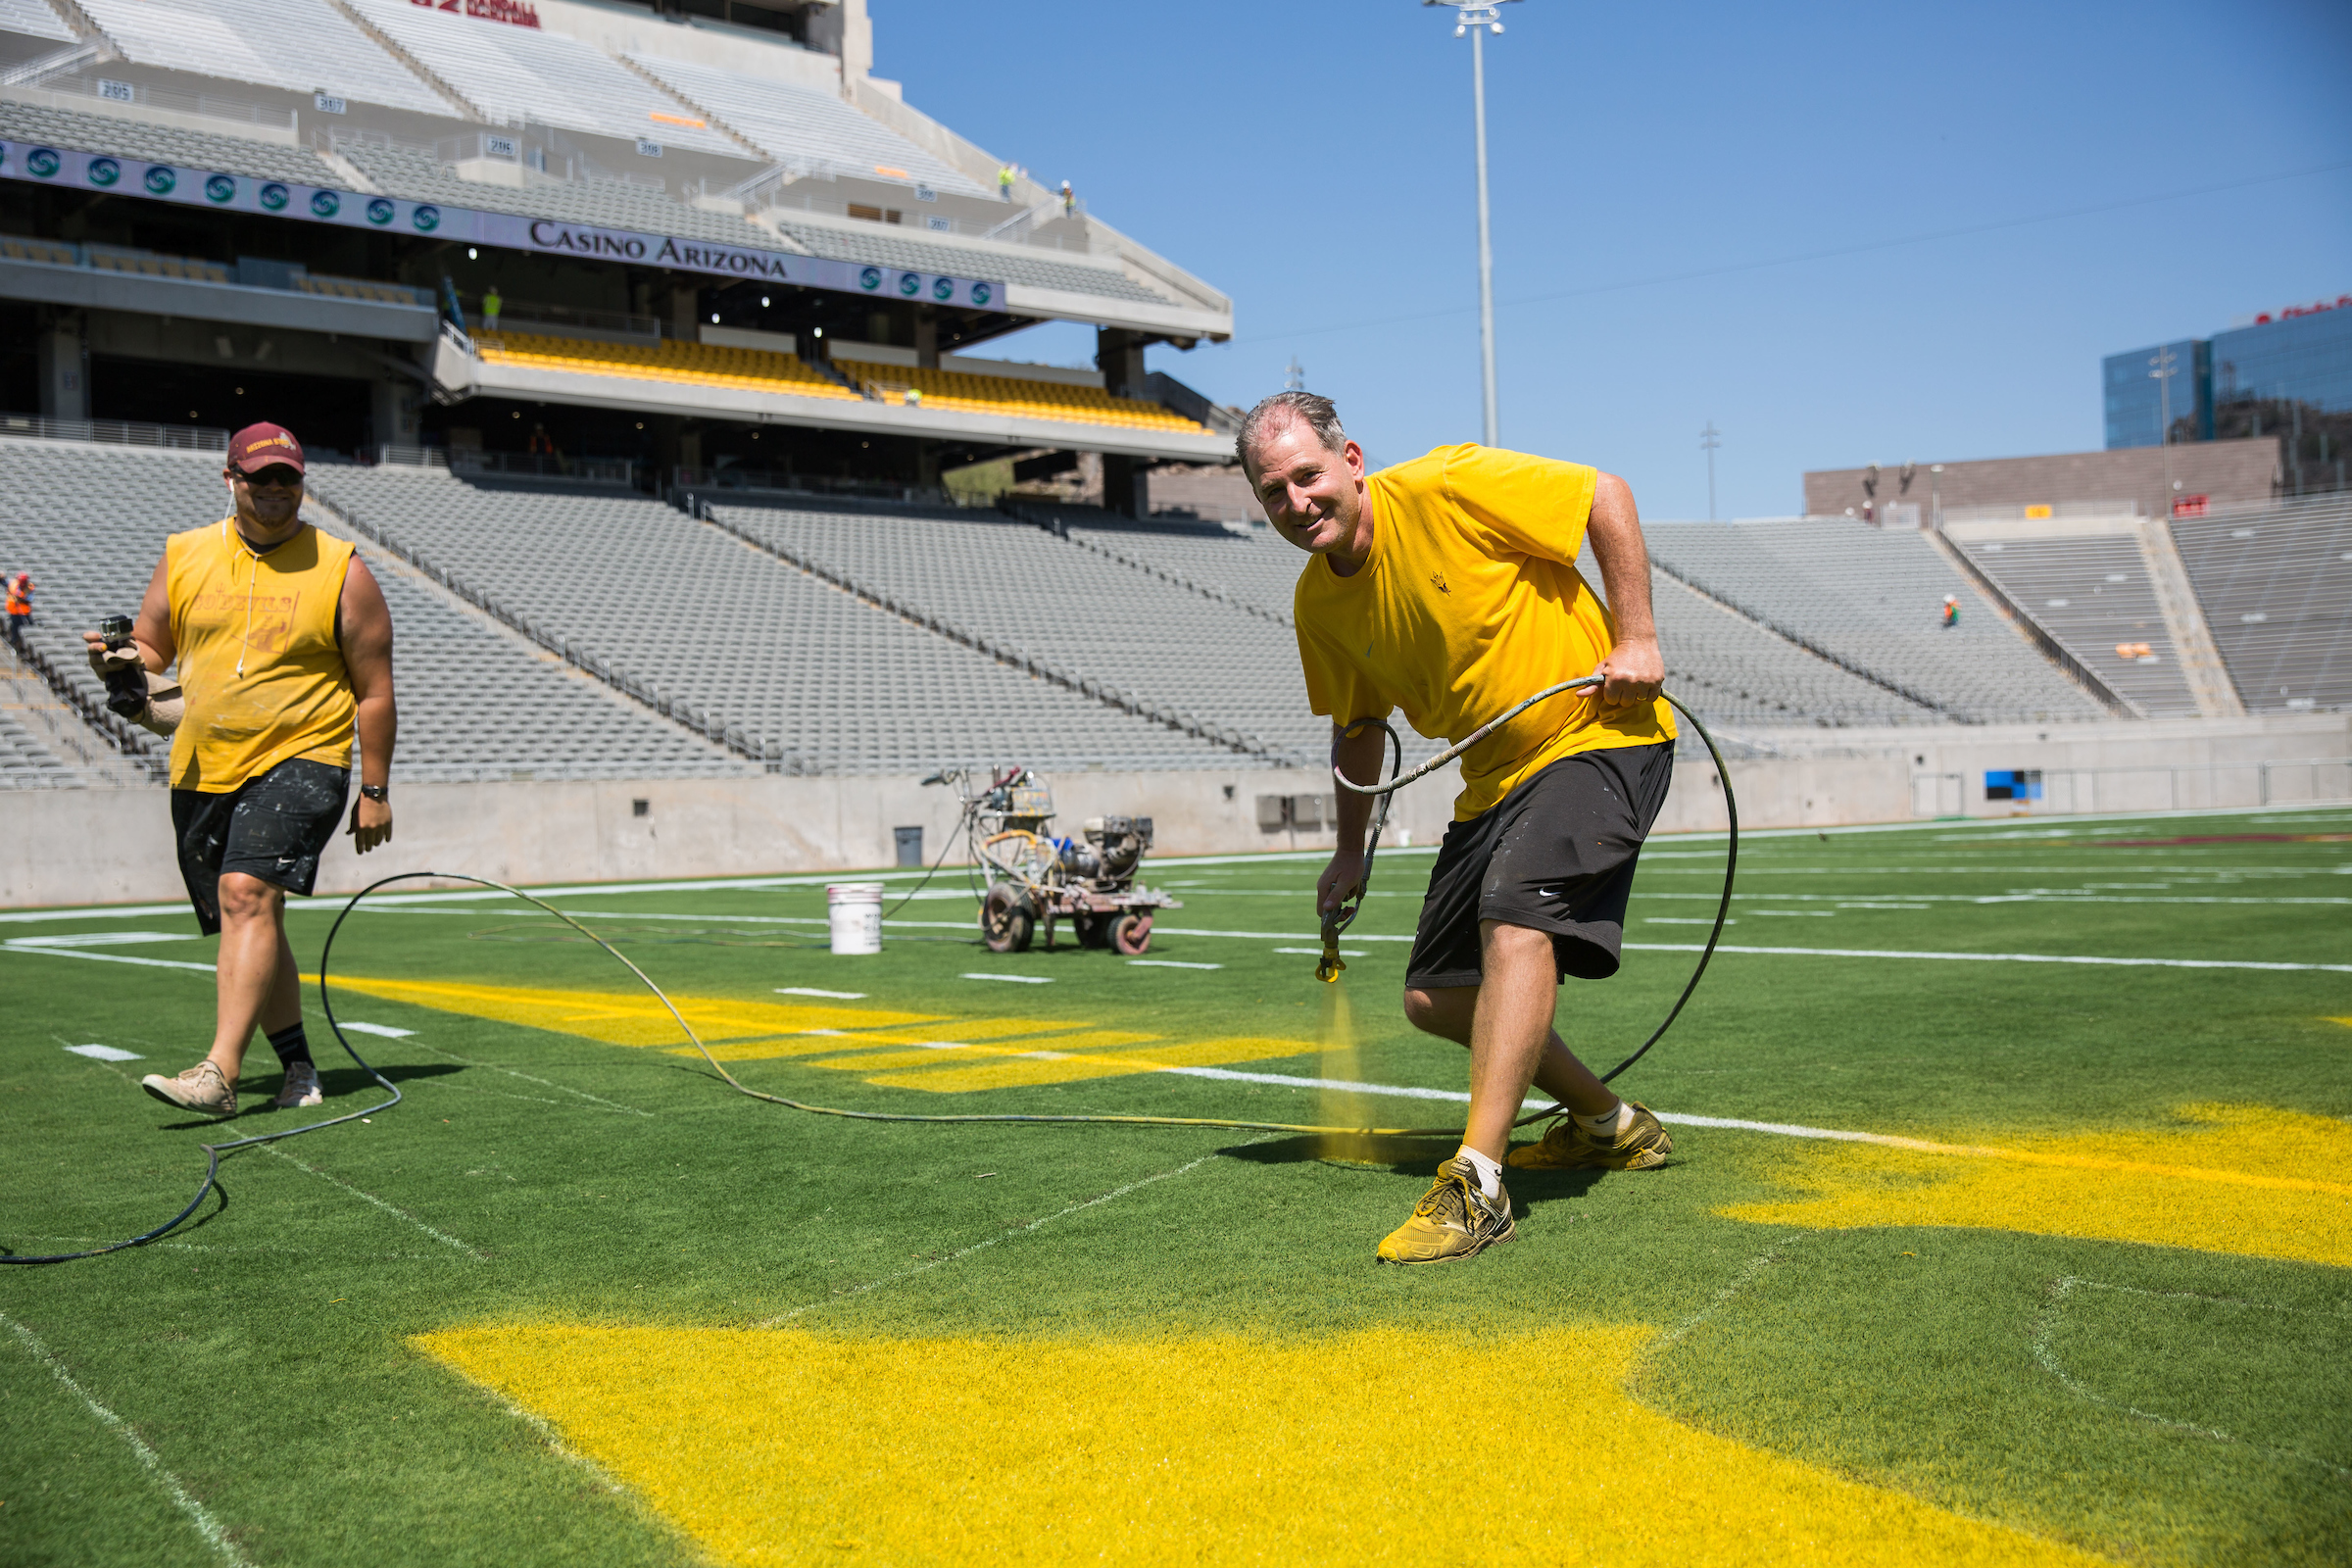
x,y
55,253
360,288
805,131
244,40
822,682
693,363
163,144
477,702
1012,396
147,264
2275,582
1100,620
1871,599
2092,593
513,74
28,764
34,19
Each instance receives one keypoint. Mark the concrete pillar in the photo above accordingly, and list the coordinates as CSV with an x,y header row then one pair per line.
x,y
844,30
1126,487
1119,356
926,462
690,449
64,369
685,320
392,413
926,338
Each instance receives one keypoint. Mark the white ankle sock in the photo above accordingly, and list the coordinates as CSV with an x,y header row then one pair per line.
x,y
1490,1174
1611,1125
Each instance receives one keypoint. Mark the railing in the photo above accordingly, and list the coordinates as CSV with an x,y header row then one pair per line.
x,y
618,323
146,94
543,465
763,480
117,432
2147,787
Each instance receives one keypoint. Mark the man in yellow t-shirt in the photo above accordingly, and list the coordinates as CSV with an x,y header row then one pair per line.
x,y
284,647
1447,587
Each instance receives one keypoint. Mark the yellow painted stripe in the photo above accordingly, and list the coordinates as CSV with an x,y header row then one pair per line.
x,y
1016,1072
631,1018
950,1051
821,1045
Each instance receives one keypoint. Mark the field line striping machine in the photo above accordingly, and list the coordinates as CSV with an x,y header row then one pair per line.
x,y
1034,876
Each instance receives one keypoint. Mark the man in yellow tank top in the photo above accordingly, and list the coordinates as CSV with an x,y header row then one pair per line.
x,y
285,646
1447,587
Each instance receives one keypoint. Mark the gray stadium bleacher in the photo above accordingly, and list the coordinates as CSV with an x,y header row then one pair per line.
x,y
163,144
243,41
28,764
804,129
821,681
1097,618
32,19
1727,667
89,523
1870,598
514,75
2092,593
2275,582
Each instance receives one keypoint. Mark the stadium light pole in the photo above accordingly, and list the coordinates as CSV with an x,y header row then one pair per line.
x,y
2161,372
1709,439
1477,20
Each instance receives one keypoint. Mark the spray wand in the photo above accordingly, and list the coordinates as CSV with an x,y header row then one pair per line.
x,y
1351,902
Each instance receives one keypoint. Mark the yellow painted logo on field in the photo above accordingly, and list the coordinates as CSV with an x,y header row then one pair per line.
x,y
890,1048
2240,1179
1385,1445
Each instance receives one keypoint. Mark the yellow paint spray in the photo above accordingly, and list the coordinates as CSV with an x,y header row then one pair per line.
x,y
1341,1107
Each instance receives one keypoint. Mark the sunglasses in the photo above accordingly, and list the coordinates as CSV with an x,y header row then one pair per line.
x,y
277,478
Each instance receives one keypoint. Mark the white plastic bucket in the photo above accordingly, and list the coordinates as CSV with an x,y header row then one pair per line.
x,y
854,911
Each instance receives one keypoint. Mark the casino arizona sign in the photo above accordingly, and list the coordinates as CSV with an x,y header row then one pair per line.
x,y
517,12
728,260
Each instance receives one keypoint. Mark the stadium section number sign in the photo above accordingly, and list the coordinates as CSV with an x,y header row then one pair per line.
x,y
242,193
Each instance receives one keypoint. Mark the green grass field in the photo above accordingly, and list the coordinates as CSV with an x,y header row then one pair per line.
x,y
2082,1294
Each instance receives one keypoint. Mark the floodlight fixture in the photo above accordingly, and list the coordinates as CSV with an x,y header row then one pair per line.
x,y
1478,20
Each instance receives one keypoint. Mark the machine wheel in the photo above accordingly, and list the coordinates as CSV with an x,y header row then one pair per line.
x,y
1006,920
1131,934
1093,930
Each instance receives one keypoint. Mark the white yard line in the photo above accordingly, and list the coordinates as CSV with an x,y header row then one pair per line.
x,y
201,1517
442,1237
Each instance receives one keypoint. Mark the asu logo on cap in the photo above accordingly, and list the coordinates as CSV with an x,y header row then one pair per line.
x,y
260,446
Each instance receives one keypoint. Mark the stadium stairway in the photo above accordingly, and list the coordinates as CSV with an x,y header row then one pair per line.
x,y
789,667
2275,582
1869,601
89,523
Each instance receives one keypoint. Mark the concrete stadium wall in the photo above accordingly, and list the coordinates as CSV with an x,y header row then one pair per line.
x,y
2243,469
70,847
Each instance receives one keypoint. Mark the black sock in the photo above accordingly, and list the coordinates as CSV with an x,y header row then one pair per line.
x,y
290,1045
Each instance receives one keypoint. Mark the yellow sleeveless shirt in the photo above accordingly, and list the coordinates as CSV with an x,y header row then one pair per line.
x,y
257,657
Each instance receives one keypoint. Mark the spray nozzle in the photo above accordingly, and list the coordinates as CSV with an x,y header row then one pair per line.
x,y
1328,967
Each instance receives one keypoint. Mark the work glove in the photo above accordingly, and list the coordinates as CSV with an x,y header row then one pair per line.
x,y
166,705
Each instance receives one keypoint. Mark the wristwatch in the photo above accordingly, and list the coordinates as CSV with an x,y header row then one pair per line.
x,y
376,792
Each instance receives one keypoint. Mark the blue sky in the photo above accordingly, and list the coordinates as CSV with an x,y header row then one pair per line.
x,y
1667,180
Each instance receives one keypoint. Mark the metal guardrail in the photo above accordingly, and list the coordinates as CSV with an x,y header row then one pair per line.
x,y
117,432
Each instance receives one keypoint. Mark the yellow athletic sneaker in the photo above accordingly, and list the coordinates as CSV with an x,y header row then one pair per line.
x,y
1568,1147
1453,1220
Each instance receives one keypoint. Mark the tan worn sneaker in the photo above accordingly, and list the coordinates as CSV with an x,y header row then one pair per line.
x,y
1568,1147
199,1089
301,1086
1453,1220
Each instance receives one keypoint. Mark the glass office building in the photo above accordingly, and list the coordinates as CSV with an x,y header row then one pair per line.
x,y
2136,400
2288,375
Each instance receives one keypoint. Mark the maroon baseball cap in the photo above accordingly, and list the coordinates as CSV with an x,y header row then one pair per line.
x,y
262,446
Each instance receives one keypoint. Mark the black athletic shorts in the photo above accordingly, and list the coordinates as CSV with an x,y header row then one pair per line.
x,y
1556,854
273,826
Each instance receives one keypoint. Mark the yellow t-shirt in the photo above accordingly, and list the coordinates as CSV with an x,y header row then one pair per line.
x,y
1469,602
273,615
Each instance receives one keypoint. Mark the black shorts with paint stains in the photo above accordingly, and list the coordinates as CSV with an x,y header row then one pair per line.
x,y
1555,855
273,826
